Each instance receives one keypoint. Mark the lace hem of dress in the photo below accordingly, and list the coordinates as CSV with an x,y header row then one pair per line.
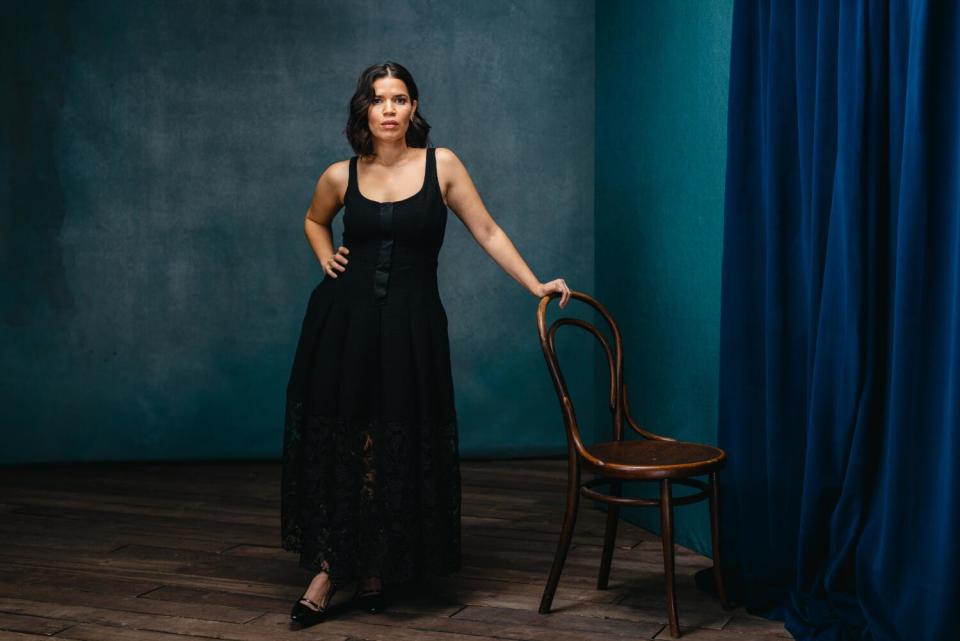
x,y
372,498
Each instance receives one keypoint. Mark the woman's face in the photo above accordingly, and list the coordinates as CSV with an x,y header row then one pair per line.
x,y
390,110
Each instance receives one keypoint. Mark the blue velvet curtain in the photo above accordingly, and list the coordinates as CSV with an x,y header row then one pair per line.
x,y
840,331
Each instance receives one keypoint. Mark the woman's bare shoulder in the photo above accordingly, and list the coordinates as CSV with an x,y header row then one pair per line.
x,y
329,192
446,157
333,181
449,163
337,173
449,168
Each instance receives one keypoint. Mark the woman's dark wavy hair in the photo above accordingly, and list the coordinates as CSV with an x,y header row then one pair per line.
x,y
358,131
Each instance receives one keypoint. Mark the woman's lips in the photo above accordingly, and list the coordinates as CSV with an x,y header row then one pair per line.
x,y
390,125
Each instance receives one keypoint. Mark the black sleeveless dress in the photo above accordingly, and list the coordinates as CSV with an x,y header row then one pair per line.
x,y
371,478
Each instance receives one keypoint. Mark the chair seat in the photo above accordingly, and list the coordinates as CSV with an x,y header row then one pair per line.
x,y
650,459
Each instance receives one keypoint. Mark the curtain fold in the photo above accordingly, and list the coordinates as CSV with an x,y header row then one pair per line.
x,y
840,318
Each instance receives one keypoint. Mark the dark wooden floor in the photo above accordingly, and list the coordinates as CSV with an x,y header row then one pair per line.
x,y
157,552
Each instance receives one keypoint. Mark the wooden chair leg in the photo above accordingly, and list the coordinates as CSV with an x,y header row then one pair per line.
x,y
566,533
666,535
609,538
715,539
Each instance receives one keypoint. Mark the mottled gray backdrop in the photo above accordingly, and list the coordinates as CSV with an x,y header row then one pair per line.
x,y
158,158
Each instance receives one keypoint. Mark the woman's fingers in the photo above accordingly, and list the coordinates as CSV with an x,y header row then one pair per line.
x,y
560,286
336,262
564,291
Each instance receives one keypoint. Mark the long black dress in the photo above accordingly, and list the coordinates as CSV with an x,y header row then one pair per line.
x,y
371,477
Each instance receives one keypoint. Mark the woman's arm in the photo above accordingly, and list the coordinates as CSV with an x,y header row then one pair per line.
x,y
463,198
324,206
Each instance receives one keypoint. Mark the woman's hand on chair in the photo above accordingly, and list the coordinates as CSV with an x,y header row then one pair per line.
x,y
336,262
558,285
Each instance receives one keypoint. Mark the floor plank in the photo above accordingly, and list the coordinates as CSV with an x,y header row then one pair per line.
x,y
174,552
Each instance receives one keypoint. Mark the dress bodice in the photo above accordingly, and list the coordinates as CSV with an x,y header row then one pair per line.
x,y
395,244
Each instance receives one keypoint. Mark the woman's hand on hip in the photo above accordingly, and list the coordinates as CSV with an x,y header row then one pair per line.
x,y
336,262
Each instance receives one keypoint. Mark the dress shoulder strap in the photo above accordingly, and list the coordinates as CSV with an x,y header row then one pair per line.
x,y
431,176
351,180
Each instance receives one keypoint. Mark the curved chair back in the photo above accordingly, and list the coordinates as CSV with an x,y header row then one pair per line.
x,y
617,398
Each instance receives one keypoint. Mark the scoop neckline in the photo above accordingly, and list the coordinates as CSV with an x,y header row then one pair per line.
x,y
426,172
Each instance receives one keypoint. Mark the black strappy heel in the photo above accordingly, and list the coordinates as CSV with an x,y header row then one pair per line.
x,y
303,616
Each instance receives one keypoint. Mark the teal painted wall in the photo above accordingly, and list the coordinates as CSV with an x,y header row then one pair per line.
x,y
154,271
662,74
159,157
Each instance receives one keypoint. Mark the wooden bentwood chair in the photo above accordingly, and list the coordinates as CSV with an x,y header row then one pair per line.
x,y
653,458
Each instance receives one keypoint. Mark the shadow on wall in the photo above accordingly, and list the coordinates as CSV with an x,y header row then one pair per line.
x,y
35,291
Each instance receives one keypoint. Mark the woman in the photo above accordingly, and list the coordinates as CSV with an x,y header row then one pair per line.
x,y
371,479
